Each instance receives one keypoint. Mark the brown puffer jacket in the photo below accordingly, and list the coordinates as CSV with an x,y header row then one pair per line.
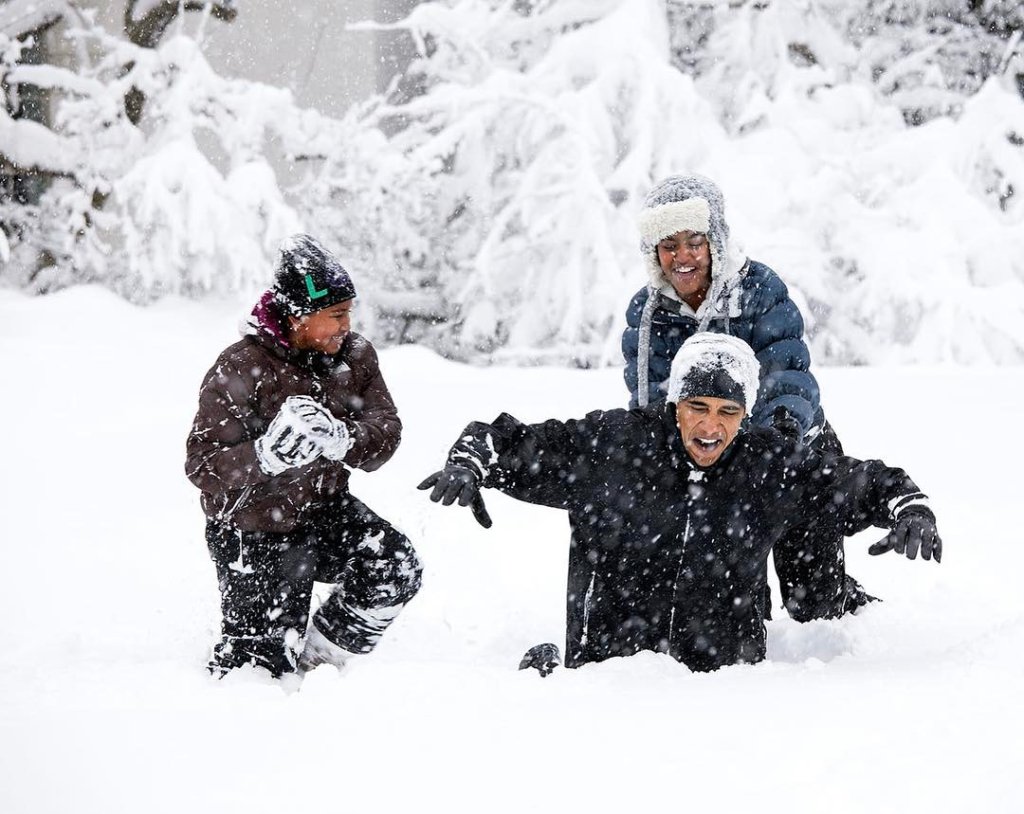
x,y
243,392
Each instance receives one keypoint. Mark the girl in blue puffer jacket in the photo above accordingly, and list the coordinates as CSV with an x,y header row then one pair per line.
x,y
698,281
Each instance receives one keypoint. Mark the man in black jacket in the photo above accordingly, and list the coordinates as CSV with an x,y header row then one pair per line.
x,y
674,509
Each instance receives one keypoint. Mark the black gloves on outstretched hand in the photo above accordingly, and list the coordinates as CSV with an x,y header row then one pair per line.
x,y
462,483
784,422
914,530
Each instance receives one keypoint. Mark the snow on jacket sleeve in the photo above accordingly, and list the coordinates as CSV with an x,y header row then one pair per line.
x,y
536,463
374,425
773,326
221,448
858,494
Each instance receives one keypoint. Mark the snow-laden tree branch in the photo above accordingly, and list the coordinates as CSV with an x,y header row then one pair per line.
x,y
875,159
503,198
189,203
146,21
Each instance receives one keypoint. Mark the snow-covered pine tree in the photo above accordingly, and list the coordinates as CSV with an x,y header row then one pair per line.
x,y
502,203
498,213
890,206
187,201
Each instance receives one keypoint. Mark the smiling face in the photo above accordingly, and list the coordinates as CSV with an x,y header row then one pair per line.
x,y
685,260
707,426
324,330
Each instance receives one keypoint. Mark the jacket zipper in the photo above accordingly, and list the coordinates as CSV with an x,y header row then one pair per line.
x,y
675,583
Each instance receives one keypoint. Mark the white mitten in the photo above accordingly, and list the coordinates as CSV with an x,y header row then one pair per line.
x,y
293,438
332,432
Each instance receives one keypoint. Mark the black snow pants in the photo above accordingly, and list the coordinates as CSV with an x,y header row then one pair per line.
x,y
266,582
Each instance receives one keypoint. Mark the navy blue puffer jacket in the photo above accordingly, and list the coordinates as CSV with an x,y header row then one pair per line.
x,y
759,312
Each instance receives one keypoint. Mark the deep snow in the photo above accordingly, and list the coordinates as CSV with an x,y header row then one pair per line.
x,y
109,607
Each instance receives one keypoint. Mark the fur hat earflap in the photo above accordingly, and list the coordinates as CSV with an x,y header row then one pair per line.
x,y
686,203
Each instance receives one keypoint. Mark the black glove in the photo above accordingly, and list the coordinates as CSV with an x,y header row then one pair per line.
x,y
914,530
786,424
460,482
543,658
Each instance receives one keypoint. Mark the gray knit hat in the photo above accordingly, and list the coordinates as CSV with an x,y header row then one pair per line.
x,y
690,203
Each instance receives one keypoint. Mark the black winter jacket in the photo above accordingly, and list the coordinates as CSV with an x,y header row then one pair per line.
x,y
677,554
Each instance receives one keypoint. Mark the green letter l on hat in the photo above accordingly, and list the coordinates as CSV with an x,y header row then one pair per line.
x,y
314,293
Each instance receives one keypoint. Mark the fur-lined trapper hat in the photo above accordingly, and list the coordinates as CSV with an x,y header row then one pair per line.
x,y
688,203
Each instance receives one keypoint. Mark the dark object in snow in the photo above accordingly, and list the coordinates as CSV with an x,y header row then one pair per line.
x,y
914,531
308,277
461,482
543,658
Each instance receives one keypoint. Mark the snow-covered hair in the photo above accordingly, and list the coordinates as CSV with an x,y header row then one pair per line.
x,y
687,203
717,366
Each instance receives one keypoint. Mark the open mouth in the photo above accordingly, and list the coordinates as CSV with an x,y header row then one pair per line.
x,y
707,444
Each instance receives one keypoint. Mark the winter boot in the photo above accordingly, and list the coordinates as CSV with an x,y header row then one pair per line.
x,y
543,658
318,650
270,653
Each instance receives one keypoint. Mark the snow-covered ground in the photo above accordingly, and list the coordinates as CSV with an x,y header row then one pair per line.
x,y
109,606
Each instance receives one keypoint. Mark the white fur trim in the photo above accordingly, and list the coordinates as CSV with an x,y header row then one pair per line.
x,y
691,215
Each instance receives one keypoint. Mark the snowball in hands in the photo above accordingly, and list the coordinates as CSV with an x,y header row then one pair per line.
x,y
302,431
332,432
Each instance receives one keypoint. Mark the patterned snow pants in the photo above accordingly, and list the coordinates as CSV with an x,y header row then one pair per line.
x,y
266,582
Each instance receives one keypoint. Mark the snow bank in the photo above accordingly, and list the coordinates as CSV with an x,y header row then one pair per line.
x,y
110,606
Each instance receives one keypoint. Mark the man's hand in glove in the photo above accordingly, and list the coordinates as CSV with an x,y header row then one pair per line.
x,y
784,422
462,483
914,531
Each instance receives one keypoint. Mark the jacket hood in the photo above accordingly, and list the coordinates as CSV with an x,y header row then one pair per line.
x,y
266,320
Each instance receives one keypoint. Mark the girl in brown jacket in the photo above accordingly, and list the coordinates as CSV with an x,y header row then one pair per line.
x,y
283,414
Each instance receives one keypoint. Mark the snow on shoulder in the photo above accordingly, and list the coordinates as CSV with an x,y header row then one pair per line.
x,y
704,354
